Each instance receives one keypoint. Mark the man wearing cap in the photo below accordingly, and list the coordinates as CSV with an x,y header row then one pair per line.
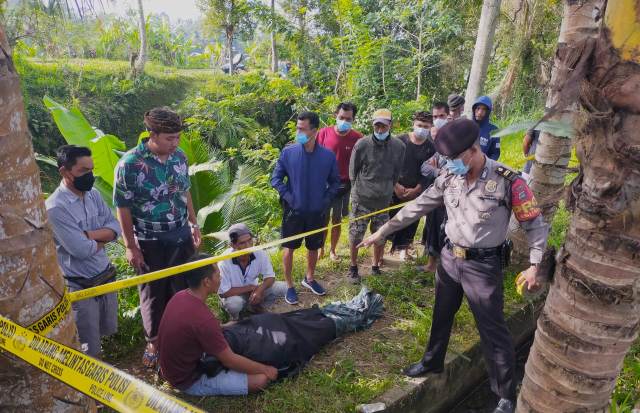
x,y
155,210
240,288
479,194
374,169
481,113
306,177
456,106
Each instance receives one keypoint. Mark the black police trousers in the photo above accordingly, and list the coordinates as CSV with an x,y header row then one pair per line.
x,y
480,280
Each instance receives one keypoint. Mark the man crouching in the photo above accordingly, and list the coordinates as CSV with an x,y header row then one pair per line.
x,y
188,330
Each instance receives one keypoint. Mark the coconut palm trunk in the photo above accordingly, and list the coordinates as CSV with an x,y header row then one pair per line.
x,y
274,47
482,50
592,313
141,60
580,22
30,280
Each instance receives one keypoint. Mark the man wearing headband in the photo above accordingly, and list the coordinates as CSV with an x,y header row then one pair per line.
x,y
154,207
479,194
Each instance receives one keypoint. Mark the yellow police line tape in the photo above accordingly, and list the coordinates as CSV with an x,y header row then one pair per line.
x,y
94,378
52,318
168,272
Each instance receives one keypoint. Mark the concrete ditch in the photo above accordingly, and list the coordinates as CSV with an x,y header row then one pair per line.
x,y
438,393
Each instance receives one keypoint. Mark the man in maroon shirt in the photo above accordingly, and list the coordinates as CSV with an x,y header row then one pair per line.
x,y
188,330
340,139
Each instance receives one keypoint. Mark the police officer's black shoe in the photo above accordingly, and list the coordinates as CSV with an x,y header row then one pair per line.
x,y
505,406
419,369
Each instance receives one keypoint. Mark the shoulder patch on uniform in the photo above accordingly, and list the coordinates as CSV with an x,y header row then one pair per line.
x,y
507,173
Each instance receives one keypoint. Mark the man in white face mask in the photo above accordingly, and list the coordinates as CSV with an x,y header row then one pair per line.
x,y
419,148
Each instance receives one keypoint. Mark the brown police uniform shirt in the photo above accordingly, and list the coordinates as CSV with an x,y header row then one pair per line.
x,y
478,216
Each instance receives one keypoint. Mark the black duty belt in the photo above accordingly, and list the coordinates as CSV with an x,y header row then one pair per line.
x,y
473,253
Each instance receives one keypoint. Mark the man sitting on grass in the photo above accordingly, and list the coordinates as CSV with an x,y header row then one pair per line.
x,y
240,288
200,358
188,330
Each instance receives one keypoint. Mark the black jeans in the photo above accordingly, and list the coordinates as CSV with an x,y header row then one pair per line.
x,y
433,235
481,282
155,295
403,238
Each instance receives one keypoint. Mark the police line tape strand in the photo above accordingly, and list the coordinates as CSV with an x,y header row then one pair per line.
x,y
94,378
168,272
53,317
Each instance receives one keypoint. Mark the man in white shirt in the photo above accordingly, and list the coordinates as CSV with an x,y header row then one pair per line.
x,y
239,286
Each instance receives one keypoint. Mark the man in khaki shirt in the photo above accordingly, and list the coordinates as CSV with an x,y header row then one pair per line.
x,y
479,195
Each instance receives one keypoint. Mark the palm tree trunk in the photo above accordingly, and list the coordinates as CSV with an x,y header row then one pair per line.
x,y
229,34
142,53
274,49
592,314
554,152
30,280
482,50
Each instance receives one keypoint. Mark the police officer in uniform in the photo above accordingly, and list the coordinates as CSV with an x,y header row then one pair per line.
x,y
479,195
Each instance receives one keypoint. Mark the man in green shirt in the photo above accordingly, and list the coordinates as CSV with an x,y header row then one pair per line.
x,y
156,213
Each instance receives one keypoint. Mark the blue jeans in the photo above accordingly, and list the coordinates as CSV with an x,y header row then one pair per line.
x,y
225,383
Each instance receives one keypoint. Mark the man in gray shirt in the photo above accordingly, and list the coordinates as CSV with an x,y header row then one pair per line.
x,y
374,169
82,224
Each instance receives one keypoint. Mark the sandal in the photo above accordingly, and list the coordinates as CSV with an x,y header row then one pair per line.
x,y
149,359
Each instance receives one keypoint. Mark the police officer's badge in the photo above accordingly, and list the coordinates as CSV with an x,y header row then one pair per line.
x,y
491,186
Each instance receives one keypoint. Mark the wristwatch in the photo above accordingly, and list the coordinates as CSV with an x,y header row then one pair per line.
x,y
194,225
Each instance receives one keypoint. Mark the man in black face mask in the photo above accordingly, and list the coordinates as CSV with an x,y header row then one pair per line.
x,y
82,224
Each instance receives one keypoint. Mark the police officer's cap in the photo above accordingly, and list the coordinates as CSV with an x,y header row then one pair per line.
x,y
456,137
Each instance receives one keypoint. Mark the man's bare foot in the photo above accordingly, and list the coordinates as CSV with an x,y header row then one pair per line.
x,y
334,256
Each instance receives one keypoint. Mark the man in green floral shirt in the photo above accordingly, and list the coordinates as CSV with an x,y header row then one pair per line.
x,y
156,213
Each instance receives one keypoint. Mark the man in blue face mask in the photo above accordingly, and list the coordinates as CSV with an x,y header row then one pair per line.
x,y
306,177
480,194
375,167
340,139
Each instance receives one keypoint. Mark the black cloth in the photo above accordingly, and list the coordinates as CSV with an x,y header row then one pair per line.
x,y
175,248
281,340
433,235
295,222
403,238
414,157
482,285
456,137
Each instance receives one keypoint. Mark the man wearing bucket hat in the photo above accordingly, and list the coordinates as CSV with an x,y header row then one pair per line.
x,y
479,194
374,169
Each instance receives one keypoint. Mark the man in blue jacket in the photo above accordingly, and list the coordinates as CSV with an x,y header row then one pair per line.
x,y
481,113
312,181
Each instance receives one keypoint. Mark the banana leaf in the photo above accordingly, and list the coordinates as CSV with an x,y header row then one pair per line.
x,y
554,127
76,130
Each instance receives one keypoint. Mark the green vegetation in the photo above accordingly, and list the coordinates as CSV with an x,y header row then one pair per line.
x,y
108,97
400,54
